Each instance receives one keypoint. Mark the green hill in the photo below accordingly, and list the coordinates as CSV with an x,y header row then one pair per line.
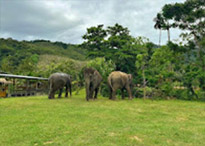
x,y
11,47
22,57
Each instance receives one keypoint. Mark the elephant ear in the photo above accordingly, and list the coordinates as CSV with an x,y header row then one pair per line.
x,y
130,78
94,75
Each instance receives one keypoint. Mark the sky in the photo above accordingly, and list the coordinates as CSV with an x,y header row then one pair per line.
x,y
67,20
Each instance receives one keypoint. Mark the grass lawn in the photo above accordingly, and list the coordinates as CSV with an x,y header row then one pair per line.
x,y
35,121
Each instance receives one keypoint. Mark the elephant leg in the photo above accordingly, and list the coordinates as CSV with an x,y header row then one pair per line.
x,y
96,93
87,97
122,92
110,93
68,88
66,91
87,91
113,94
129,92
91,93
60,93
51,94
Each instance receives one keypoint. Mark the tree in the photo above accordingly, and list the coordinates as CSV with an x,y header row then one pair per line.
x,y
162,72
158,25
114,43
189,17
142,63
95,40
162,23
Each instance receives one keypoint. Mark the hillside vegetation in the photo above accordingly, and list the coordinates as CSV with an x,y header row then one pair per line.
x,y
23,57
73,121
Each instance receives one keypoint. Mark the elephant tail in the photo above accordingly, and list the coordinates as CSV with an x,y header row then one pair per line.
x,y
50,84
110,82
70,89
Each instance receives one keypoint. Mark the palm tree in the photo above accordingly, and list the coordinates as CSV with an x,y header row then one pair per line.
x,y
167,26
158,25
162,24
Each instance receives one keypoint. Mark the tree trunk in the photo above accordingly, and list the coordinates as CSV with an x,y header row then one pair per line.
x,y
144,84
168,34
160,34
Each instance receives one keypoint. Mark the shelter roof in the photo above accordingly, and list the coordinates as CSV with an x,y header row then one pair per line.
x,y
22,77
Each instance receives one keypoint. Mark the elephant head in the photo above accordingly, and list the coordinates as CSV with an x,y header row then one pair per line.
x,y
92,82
130,79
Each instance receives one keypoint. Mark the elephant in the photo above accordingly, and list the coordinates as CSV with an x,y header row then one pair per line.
x,y
119,80
92,82
58,81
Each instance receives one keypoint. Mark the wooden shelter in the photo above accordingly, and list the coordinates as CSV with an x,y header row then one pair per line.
x,y
18,85
4,87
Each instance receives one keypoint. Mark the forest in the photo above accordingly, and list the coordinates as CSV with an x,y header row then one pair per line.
x,y
174,70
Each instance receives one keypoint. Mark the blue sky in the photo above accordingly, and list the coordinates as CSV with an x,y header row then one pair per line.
x,y
67,20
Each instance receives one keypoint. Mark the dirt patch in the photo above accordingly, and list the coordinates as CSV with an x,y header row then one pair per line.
x,y
136,138
48,142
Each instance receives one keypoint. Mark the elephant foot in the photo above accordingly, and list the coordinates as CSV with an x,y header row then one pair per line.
x,y
50,97
113,99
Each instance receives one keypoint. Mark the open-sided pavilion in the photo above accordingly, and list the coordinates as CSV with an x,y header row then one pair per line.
x,y
19,85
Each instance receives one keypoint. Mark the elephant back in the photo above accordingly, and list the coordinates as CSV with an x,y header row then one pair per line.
x,y
117,77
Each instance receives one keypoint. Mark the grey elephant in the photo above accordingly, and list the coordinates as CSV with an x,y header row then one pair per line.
x,y
58,81
92,82
119,80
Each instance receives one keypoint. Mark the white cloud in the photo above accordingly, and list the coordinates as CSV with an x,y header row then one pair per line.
x,y
67,20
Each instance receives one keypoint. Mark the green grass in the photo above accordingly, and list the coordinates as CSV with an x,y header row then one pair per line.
x,y
26,121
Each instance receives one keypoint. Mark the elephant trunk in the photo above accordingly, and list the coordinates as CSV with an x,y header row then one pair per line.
x,y
70,90
87,84
50,89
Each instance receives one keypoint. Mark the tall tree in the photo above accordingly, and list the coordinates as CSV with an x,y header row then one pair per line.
x,y
162,23
158,25
113,43
95,40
